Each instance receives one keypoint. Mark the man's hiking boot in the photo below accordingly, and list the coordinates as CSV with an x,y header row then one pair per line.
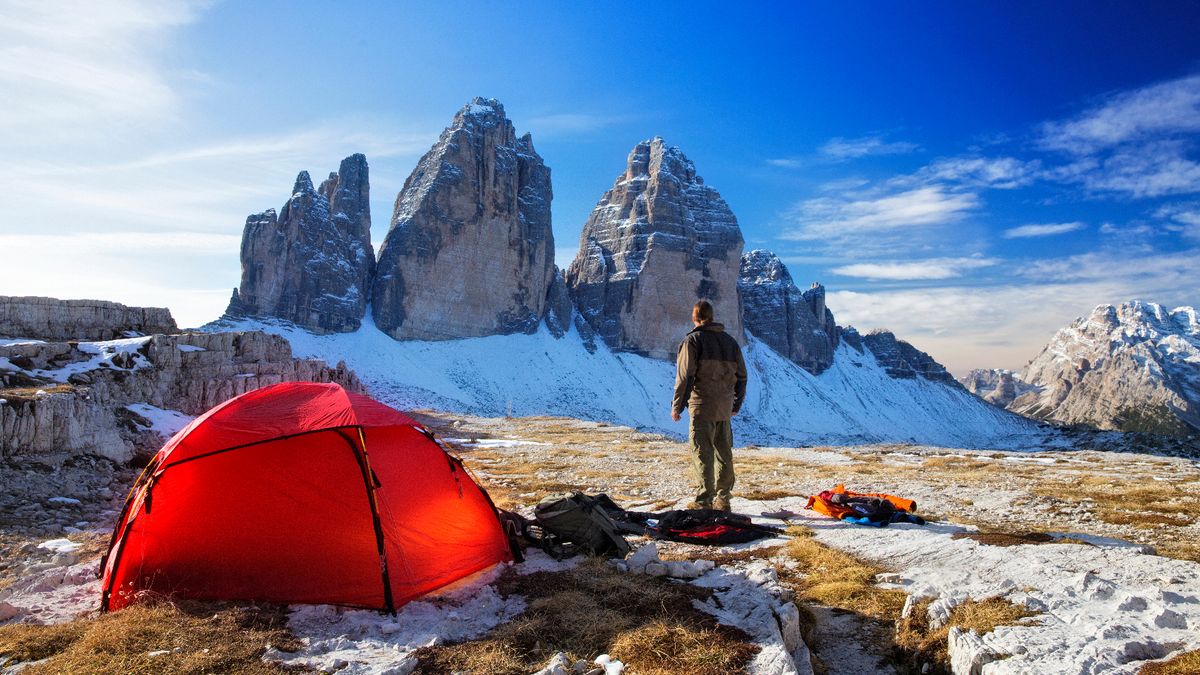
x,y
721,504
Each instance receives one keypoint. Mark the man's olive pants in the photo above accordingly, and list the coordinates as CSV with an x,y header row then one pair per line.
x,y
712,459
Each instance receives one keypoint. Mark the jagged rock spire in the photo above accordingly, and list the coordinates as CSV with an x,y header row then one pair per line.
x,y
796,324
312,263
656,242
470,251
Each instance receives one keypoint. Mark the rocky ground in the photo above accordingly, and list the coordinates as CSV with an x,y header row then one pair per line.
x,y
1065,537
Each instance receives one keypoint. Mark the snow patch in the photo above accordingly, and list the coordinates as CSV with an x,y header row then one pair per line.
x,y
165,423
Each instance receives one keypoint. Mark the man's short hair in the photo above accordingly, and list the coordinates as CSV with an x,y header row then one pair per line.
x,y
702,311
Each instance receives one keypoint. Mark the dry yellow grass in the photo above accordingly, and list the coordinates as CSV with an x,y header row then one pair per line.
x,y
1185,664
203,638
837,579
647,622
918,644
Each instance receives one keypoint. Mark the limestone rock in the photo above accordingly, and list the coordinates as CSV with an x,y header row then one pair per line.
x,y
49,414
559,308
53,319
470,251
997,386
796,324
1131,367
311,264
898,358
656,242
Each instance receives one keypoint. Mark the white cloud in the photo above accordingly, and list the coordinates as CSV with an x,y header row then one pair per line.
x,y
786,163
967,327
1164,109
933,268
156,269
72,69
1042,230
991,172
1156,272
853,148
827,217
1183,218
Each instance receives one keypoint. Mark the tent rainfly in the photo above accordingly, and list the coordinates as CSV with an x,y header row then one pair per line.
x,y
301,493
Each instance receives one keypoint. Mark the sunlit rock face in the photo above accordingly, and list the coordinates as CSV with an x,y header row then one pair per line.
x,y
470,251
1133,367
656,242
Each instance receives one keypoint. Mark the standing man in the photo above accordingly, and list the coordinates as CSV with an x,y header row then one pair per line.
x,y
710,380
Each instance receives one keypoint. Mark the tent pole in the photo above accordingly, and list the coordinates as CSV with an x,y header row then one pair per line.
x,y
360,453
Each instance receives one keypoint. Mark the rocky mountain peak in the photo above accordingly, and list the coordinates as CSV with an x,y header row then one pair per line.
x,y
796,324
902,360
1133,367
304,184
657,241
312,262
470,249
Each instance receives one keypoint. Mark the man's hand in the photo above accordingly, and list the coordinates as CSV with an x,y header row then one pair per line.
x,y
674,415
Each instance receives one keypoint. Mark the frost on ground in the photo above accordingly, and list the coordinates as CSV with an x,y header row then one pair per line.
x,y
359,641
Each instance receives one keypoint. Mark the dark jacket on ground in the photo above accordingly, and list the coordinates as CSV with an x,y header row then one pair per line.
x,y
710,375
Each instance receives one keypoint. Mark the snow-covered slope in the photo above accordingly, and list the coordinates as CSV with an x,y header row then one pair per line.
x,y
854,401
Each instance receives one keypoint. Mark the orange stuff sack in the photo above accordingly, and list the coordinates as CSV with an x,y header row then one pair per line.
x,y
824,503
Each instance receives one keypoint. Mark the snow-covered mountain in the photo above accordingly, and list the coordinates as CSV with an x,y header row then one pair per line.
x,y
469,313
995,385
1131,367
854,401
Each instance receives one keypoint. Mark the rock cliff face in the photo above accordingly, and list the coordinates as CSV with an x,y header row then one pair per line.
x,y
899,359
52,319
1132,367
61,399
311,264
470,251
995,385
656,242
796,324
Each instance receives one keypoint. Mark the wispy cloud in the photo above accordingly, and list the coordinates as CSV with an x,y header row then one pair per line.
x,y
1176,271
786,162
852,148
931,269
826,217
1001,173
968,327
1160,110
71,69
1183,218
1042,230
1138,143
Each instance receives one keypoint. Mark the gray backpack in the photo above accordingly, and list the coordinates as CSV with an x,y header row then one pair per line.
x,y
577,522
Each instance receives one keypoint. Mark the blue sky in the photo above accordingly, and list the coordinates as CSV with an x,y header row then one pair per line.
x,y
970,175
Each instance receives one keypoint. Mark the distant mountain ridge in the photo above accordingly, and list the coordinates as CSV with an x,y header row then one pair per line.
x,y
469,257
1128,367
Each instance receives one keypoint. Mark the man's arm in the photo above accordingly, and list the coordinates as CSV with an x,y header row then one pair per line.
x,y
685,377
739,386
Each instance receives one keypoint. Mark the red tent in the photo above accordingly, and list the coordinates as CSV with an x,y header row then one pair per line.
x,y
301,493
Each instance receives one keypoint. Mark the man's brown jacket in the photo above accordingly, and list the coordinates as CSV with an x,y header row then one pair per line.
x,y
710,374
